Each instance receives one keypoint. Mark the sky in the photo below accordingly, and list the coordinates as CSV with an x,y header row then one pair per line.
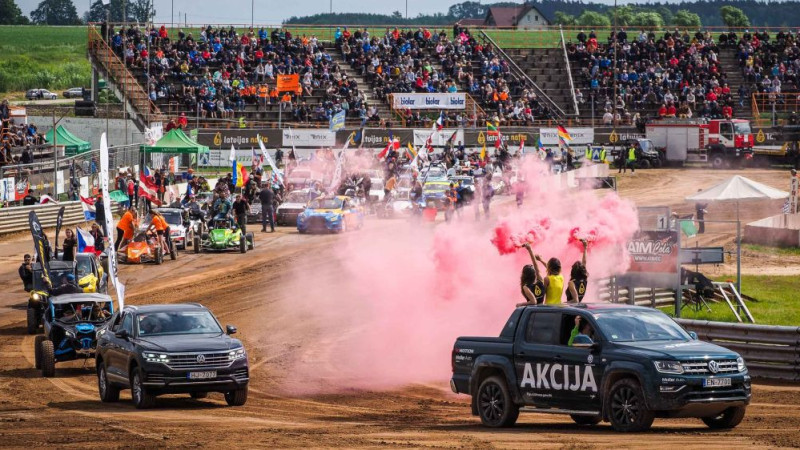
x,y
273,11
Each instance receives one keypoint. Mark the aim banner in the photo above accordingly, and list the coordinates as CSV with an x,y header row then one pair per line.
x,y
112,252
41,245
59,222
654,260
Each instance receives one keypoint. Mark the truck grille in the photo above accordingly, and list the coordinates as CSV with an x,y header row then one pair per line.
x,y
701,367
190,361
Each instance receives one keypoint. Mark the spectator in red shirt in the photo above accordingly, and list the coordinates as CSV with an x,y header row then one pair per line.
x,y
662,112
727,111
182,121
671,111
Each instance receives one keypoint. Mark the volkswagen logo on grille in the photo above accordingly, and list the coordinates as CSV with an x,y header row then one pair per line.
x,y
713,366
202,358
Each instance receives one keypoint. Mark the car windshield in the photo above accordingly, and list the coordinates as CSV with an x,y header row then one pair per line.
x,y
172,217
436,172
742,127
646,145
464,181
326,203
81,312
83,267
438,187
296,197
180,322
638,325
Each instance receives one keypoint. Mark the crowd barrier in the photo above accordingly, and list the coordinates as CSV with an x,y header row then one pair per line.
x,y
771,352
15,218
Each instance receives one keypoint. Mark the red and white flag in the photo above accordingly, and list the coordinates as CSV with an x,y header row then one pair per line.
x,y
148,190
85,242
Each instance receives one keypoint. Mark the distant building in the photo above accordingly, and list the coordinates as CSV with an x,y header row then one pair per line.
x,y
522,17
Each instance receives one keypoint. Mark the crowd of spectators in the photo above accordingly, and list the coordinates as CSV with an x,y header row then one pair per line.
x,y
770,64
17,141
403,61
676,74
221,72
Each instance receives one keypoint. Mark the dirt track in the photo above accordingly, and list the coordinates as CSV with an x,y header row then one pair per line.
x,y
245,291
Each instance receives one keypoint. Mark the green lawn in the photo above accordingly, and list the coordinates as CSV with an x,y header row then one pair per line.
x,y
47,57
778,302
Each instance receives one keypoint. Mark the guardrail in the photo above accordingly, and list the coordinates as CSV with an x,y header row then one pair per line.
x,y
770,352
15,219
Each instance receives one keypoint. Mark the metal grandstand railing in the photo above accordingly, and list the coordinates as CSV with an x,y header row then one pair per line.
x,y
137,97
569,72
515,69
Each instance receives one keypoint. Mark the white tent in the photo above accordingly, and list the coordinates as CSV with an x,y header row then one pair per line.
x,y
738,188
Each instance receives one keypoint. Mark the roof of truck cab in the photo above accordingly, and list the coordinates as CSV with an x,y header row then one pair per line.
x,y
589,306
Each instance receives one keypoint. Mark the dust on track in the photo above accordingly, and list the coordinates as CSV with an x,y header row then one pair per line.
x,y
246,290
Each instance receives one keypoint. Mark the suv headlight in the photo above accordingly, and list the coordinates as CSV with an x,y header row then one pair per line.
x,y
69,333
156,358
668,366
740,364
239,353
36,297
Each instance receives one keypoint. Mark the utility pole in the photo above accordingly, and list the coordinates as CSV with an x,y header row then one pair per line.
x,y
614,71
252,12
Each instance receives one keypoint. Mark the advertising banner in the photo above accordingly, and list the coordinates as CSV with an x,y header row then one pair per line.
x,y
242,138
439,138
654,260
313,138
455,100
580,136
110,228
288,83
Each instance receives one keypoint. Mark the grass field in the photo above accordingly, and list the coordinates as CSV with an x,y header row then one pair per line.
x,y
777,302
43,57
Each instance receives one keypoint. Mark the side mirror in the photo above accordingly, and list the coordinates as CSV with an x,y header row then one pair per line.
x,y
122,334
582,341
230,329
693,335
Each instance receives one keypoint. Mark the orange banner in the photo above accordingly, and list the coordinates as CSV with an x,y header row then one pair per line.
x,y
289,83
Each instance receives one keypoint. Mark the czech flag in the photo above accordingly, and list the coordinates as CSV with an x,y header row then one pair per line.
x,y
563,133
85,242
89,212
491,129
439,124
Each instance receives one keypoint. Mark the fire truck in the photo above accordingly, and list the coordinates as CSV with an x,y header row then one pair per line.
x,y
720,142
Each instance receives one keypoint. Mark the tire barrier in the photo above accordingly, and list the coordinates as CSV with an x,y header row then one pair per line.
x,y
770,352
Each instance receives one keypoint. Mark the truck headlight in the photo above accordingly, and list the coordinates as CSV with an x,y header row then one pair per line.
x,y
740,364
156,358
239,353
668,366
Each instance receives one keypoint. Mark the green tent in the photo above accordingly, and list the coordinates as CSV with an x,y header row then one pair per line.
x,y
175,141
73,145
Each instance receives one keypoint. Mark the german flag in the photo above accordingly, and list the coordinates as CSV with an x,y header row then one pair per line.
x,y
491,129
563,133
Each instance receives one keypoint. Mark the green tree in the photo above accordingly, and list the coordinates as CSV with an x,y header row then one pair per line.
x,y
55,12
624,15
734,17
648,19
665,14
593,19
97,12
397,15
686,18
137,10
10,14
467,10
565,19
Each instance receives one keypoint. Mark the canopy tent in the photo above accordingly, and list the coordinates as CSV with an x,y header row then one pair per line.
x,y
737,189
73,145
175,141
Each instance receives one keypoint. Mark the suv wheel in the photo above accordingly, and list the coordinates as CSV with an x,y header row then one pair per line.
x,y
141,398
495,406
48,358
237,397
108,393
586,420
33,321
727,419
37,351
627,409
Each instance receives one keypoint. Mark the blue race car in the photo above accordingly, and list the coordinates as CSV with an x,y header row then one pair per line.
x,y
331,214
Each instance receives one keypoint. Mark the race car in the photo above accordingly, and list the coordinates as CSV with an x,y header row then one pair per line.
x,y
72,323
331,214
177,225
293,205
88,272
145,248
434,194
224,235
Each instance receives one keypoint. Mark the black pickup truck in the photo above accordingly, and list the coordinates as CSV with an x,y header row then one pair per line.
x,y
619,363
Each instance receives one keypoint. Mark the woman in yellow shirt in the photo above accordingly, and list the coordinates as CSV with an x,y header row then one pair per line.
x,y
553,282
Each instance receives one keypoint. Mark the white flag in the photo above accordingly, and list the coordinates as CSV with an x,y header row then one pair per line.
x,y
112,252
269,160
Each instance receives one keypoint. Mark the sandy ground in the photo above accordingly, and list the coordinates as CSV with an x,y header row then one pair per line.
x,y
245,290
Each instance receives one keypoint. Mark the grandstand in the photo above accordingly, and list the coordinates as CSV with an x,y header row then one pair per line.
x,y
224,76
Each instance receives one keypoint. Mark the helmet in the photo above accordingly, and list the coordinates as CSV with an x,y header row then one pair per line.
x,y
71,277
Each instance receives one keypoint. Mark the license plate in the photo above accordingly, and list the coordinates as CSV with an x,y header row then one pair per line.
x,y
716,382
202,375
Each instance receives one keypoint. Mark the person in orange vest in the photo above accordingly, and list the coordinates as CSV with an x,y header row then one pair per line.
x,y
160,226
286,101
263,96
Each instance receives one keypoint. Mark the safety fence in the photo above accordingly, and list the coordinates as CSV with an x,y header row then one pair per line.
x,y
771,352
15,219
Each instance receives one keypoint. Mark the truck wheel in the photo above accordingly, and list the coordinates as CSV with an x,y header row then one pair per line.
x,y
48,358
727,419
37,351
196,244
586,420
243,244
627,408
33,321
717,161
237,397
495,406
141,398
108,393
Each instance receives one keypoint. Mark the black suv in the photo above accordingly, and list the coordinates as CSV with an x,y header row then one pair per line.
x,y
170,349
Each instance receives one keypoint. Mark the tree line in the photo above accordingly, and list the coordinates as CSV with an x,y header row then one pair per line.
x,y
63,12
